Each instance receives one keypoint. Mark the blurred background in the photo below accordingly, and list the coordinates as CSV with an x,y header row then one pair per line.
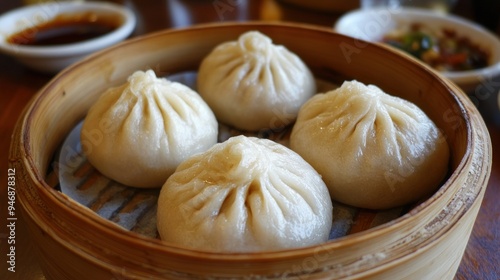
x,y
19,84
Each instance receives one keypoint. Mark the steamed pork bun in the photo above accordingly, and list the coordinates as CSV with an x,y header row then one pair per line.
x,y
252,84
138,133
244,195
372,149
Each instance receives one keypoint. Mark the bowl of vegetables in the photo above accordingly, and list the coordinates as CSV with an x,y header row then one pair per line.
x,y
461,50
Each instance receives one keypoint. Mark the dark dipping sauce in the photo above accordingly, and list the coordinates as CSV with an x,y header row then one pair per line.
x,y
66,29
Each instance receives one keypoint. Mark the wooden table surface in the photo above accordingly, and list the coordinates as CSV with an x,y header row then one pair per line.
x,y
19,84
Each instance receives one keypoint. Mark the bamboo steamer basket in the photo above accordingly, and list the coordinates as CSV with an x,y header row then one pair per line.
x,y
425,243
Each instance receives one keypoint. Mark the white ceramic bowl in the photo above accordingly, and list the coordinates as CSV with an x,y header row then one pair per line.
x,y
481,85
52,59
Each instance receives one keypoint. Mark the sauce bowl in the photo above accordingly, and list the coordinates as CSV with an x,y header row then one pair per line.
x,y
28,20
481,85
